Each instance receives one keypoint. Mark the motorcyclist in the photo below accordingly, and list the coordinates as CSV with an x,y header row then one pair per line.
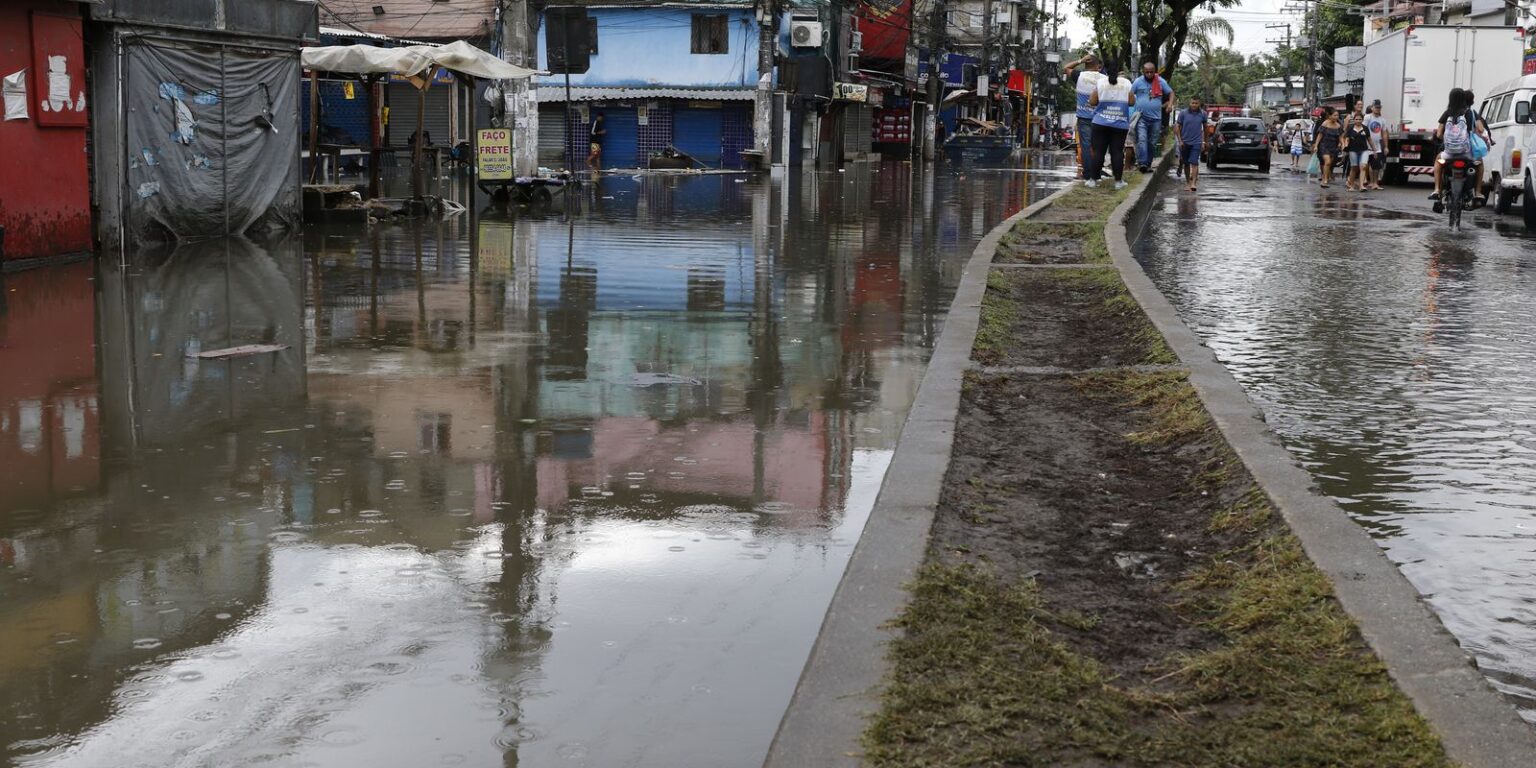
x,y
1454,131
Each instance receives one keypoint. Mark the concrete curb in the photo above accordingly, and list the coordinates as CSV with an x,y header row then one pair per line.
x,y
843,677
1477,725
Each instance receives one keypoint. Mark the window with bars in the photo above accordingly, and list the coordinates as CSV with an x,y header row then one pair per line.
x,y
711,33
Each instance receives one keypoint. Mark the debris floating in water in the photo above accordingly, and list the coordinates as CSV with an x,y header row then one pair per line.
x,y
654,379
240,351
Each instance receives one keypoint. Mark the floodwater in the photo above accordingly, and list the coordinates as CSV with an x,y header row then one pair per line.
x,y
1397,362
562,487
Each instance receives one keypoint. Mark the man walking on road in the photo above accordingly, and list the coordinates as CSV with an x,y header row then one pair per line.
x,y
595,144
1191,125
1379,136
1086,82
1153,97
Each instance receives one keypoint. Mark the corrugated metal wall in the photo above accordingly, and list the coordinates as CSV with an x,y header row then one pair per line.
x,y
858,126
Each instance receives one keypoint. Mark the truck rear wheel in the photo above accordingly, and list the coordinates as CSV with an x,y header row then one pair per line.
x,y
1504,198
1529,208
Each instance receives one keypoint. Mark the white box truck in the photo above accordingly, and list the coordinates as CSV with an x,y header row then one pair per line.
x,y
1413,70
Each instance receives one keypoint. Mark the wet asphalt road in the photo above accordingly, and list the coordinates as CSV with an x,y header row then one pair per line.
x,y
556,487
1397,360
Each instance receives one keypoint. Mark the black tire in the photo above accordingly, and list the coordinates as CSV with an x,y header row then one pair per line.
x,y
1504,199
540,196
1528,210
1264,167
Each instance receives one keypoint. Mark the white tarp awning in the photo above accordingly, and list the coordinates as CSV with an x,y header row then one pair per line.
x,y
409,60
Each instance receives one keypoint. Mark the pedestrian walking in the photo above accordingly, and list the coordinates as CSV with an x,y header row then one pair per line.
x,y
1357,141
1377,126
1191,125
1111,102
1299,138
595,143
1327,144
1084,82
1153,98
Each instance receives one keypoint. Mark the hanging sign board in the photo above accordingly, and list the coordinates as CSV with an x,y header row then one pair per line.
x,y
493,156
850,92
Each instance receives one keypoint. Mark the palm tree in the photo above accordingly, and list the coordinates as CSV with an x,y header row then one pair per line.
x,y
1201,48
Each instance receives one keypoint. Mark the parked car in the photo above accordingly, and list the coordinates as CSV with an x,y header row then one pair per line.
x,y
1240,140
1510,111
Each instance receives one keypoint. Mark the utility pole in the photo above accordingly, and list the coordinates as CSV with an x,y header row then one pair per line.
x,y
519,96
1130,66
938,25
986,60
1285,70
1312,80
767,47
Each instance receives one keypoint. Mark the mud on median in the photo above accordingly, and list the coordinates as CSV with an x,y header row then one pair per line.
x,y
1105,585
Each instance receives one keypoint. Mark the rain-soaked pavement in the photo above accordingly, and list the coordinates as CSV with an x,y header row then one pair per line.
x,y
1397,361
560,488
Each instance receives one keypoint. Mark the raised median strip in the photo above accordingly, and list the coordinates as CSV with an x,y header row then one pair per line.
x,y
1089,550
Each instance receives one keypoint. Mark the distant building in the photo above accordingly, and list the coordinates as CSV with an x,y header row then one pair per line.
x,y
661,75
1270,94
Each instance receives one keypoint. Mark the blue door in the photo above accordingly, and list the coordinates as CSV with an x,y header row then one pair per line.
x,y
621,144
697,131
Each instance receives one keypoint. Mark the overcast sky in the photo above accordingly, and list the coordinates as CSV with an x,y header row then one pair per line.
x,y
1247,18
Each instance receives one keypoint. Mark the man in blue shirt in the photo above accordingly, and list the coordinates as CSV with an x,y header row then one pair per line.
x,y
1085,82
1153,97
1192,126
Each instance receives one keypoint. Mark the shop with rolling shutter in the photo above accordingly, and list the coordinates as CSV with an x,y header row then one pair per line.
x,y
437,119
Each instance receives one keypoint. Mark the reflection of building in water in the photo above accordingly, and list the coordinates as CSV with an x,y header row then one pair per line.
x,y
95,585
49,433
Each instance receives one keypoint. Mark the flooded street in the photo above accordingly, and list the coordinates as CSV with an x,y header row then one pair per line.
x,y
1396,360
562,487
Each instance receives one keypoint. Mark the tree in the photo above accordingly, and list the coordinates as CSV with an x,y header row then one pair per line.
x,y
1164,26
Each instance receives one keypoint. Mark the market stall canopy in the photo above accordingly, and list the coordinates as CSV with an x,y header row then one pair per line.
x,y
458,56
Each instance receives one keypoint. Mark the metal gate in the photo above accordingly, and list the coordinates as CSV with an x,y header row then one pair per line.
x,y
551,131
436,121
696,131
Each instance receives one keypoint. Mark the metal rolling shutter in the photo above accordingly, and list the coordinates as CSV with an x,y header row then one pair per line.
x,y
402,113
858,124
697,131
551,133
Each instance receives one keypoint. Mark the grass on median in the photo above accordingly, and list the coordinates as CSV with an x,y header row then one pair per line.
x,y
984,672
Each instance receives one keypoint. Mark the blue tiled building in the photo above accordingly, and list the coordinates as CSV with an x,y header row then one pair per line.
x,y
678,74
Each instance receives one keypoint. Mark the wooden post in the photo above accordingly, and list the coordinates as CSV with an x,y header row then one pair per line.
x,y
421,108
314,124
374,135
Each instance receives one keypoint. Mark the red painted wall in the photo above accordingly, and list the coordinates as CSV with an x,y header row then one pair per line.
x,y
44,182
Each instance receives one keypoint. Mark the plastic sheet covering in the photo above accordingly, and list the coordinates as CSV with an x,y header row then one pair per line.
x,y
458,56
212,140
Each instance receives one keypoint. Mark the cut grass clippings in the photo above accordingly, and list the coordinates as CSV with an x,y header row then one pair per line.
x,y
1105,584
990,671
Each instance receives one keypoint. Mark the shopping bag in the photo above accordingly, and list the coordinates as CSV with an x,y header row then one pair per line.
x,y
1479,147
1315,168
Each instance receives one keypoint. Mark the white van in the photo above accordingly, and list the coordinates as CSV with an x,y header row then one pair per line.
x,y
1510,111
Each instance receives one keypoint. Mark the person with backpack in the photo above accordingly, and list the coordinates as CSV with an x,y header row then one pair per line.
x,y
1455,130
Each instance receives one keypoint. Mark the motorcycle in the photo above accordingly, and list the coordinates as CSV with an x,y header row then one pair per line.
x,y
1458,196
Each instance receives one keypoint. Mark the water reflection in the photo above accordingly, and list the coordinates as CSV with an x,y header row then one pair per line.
x,y
511,488
1392,358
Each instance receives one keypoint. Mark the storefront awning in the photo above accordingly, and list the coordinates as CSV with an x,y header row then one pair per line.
x,y
554,92
459,56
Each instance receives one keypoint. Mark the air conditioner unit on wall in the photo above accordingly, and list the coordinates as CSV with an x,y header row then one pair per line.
x,y
805,34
